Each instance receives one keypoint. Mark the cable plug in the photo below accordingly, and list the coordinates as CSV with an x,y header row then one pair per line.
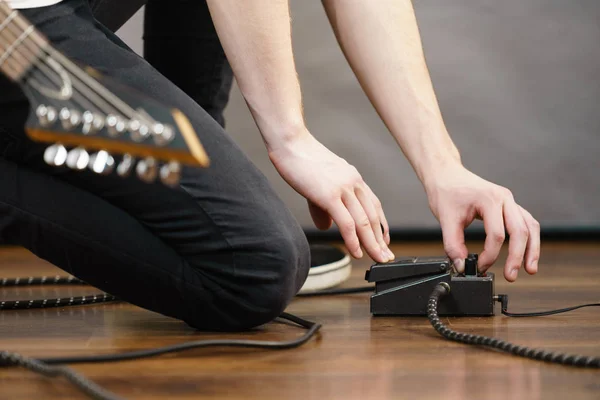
x,y
503,300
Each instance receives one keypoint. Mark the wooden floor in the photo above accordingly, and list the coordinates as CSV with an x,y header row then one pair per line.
x,y
356,356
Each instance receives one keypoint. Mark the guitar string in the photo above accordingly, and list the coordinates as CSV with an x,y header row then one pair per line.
x,y
25,57
42,71
85,79
41,64
97,87
80,77
18,56
46,76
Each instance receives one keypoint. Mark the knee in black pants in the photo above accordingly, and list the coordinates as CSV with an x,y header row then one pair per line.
x,y
293,256
267,279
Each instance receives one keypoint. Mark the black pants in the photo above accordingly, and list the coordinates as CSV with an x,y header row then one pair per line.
x,y
180,41
221,253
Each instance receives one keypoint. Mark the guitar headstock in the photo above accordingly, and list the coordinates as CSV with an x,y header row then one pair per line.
x,y
153,139
90,120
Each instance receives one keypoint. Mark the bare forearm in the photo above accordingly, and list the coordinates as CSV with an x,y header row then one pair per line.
x,y
256,37
381,42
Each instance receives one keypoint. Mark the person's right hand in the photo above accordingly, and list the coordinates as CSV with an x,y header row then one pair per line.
x,y
335,192
457,197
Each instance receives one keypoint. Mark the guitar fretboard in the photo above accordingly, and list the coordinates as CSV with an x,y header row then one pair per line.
x,y
21,46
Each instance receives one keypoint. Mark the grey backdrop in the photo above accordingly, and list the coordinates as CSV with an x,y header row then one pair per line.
x,y
518,85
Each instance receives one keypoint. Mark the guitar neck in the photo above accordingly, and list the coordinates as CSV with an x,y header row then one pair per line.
x,y
21,45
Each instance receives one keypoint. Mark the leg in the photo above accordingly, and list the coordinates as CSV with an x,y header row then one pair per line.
x,y
176,31
180,41
237,252
114,13
106,246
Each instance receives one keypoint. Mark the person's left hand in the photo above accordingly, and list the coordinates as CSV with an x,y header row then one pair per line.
x,y
457,197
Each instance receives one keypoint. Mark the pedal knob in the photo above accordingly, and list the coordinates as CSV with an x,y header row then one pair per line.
x,y
471,265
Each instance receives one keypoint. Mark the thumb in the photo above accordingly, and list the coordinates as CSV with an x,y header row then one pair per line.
x,y
320,217
454,243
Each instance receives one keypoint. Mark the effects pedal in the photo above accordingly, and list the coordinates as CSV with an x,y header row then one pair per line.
x,y
403,287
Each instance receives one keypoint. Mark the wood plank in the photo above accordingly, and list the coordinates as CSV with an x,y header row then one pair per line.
x,y
356,356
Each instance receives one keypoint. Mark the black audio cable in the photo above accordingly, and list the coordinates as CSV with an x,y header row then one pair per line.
x,y
442,289
502,298
312,328
48,367
41,280
45,366
47,303
331,292
105,297
9,359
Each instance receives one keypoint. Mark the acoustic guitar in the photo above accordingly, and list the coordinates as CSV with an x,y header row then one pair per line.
x,y
79,111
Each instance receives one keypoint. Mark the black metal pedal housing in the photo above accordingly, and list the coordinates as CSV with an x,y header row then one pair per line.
x,y
403,286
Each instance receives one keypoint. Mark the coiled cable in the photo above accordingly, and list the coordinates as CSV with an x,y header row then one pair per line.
x,y
442,289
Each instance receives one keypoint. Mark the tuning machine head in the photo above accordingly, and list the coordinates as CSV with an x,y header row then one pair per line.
x,y
102,163
162,134
139,131
69,118
46,115
147,169
92,122
115,125
78,159
55,155
126,165
170,174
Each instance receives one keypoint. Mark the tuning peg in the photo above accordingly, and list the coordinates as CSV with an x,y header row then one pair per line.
x,y
92,123
138,131
69,118
55,155
46,115
78,158
162,134
170,173
125,166
147,169
115,125
102,163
